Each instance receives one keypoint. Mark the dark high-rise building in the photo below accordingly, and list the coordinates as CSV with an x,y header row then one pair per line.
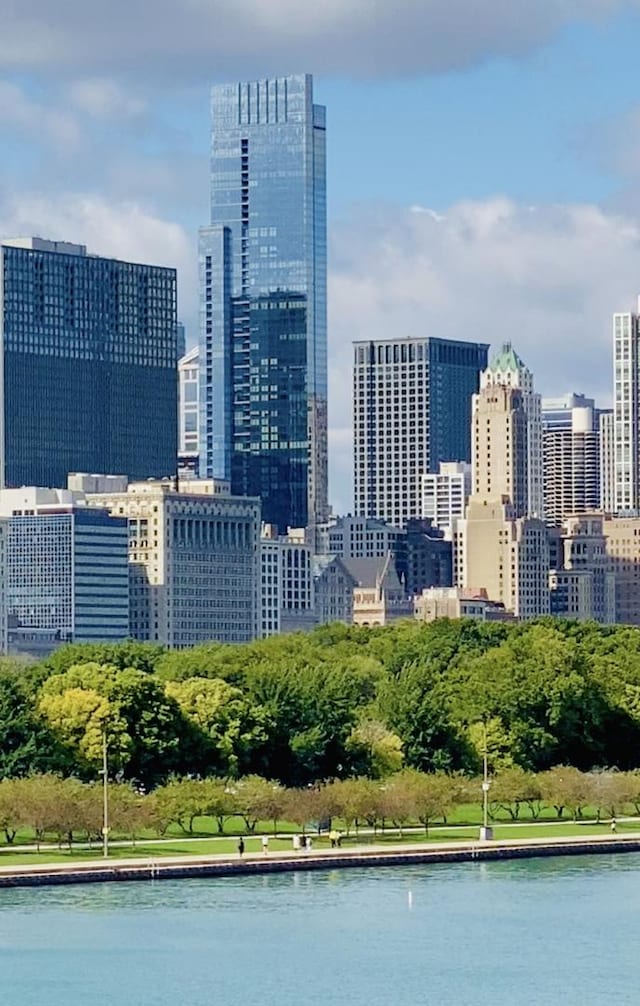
x,y
263,331
89,362
412,410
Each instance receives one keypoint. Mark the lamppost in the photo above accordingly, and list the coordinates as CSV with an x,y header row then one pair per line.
x,y
105,796
486,833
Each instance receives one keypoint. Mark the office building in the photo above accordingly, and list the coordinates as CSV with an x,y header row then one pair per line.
x,y
378,595
412,410
581,582
423,557
622,536
557,412
606,442
188,414
626,349
88,376
357,537
571,454
445,493
66,570
507,370
299,589
194,561
499,443
263,341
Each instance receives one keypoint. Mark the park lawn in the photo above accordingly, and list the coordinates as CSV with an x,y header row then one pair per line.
x,y
200,847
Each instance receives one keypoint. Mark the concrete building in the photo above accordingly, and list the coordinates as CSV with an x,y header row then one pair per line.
x,y
66,570
499,432
626,364
623,553
445,493
299,589
505,556
357,537
263,307
194,561
188,414
607,447
423,557
454,602
557,412
571,454
378,597
88,367
412,410
508,370
581,581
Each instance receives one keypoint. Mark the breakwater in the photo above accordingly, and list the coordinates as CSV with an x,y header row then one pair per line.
x,y
189,866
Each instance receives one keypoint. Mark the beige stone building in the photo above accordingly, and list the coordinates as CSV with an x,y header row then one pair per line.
x,y
623,554
455,602
581,580
378,595
194,560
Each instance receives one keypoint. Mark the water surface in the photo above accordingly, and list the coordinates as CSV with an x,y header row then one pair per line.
x,y
555,931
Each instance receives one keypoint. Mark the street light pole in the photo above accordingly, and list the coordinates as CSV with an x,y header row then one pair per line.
x,y
105,797
486,833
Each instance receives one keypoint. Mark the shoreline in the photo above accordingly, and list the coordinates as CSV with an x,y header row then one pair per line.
x,y
225,865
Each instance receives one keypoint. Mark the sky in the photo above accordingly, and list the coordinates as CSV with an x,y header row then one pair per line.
x,y
483,159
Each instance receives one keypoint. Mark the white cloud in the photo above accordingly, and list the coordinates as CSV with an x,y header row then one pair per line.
x,y
207,38
105,99
123,230
547,278
35,119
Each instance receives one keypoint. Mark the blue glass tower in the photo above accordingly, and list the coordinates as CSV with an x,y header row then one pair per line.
x,y
87,365
263,341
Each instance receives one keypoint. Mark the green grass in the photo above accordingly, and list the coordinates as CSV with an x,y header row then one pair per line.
x,y
253,845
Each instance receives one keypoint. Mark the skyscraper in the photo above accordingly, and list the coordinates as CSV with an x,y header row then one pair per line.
x,y
263,325
412,410
88,376
506,368
626,387
571,452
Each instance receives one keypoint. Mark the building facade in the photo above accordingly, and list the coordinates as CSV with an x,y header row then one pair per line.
x,y
581,581
445,493
572,465
626,421
499,432
67,577
194,561
412,410
89,354
188,413
607,448
263,313
508,370
623,554
378,595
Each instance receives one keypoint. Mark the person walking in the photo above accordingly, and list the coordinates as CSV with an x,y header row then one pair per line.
x,y
614,826
241,846
265,844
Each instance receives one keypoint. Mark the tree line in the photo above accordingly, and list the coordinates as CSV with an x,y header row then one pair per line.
x,y
70,810
334,704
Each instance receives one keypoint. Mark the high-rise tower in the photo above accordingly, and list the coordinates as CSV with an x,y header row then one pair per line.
x,y
263,326
506,368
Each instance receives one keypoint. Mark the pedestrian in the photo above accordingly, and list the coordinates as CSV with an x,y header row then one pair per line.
x,y
296,843
241,846
309,845
339,839
265,844
303,843
333,838
614,826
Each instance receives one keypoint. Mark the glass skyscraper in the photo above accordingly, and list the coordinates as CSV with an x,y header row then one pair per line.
x,y
89,356
263,342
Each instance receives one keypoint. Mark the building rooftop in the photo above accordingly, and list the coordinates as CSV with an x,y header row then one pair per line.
x,y
506,359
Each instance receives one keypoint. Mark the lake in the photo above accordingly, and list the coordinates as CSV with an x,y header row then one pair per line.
x,y
545,931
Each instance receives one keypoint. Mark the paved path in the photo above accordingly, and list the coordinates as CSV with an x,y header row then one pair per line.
x,y
145,868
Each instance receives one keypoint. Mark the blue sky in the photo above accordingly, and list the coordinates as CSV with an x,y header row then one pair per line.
x,y
484,165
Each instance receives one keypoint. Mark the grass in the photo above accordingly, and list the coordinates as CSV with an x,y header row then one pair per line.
x,y
203,847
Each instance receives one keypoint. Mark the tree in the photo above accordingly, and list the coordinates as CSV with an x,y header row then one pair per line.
x,y
512,788
432,796
256,800
398,799
10,808
377,748
565,787
234,727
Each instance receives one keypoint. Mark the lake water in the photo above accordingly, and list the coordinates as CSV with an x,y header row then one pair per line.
x,y
555,931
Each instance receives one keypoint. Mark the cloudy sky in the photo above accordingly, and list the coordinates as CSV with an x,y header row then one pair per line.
x,y
484,158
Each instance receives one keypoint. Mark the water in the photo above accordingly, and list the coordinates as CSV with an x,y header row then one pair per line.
x,y
557,931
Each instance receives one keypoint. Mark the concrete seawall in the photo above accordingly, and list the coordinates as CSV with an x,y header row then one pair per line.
x,y
182,867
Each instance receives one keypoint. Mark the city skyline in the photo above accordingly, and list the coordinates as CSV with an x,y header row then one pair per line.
x,y
482,179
